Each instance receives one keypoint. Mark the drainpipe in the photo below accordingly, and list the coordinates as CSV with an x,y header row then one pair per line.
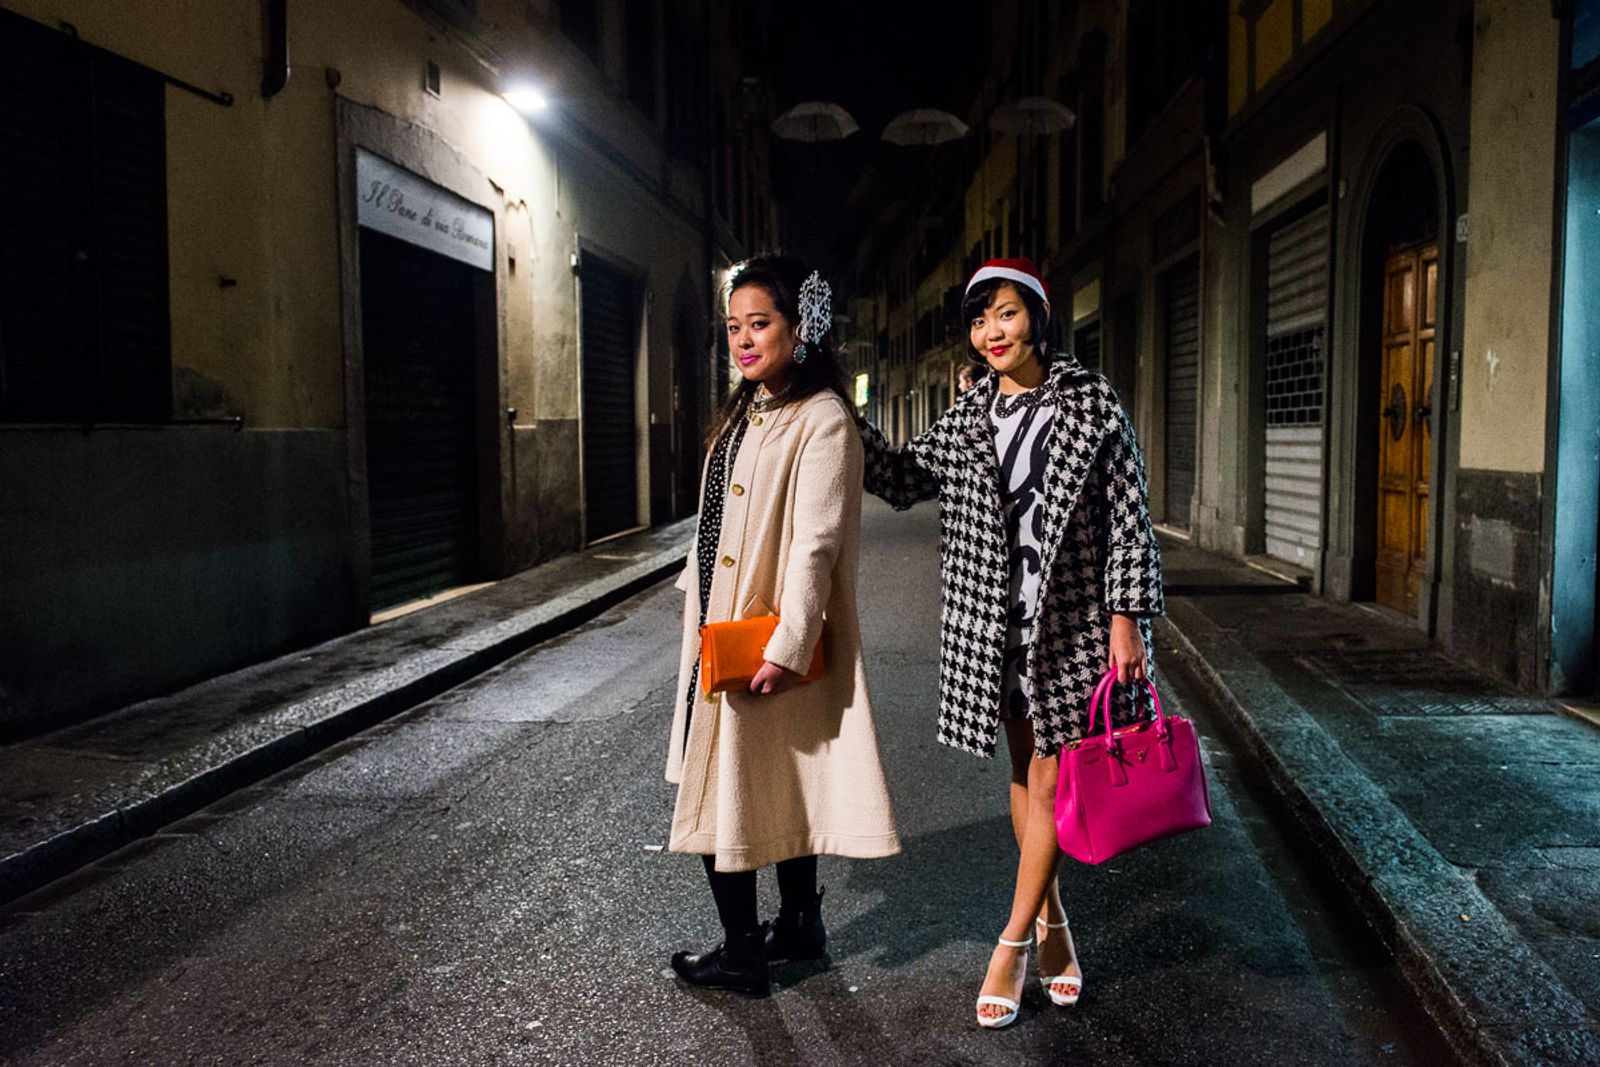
x,y
275,30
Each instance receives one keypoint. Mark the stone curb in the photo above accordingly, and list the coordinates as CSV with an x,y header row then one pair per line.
x,y
302,728
1496,1002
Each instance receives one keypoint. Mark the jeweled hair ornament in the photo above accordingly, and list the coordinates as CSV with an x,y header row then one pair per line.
x,y
816,314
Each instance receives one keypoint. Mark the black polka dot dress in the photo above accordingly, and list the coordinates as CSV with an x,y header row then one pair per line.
x,y
708,533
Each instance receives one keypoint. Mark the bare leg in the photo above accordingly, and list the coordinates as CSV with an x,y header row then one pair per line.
x,y
1057,955
1038,892
1007,964
1041,856
1019,743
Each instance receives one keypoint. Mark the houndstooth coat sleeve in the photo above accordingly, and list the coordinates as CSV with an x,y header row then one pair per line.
x,y
895,475
1101,555
1132,580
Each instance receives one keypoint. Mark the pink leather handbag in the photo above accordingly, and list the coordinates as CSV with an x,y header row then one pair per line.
x,y
1132,786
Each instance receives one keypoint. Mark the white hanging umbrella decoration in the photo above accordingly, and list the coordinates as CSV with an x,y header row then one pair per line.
x,y
1032,115
924,126
813,121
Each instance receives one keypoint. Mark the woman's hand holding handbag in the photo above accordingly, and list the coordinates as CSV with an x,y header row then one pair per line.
x,y
1130,786
772,679
733,656
1126,655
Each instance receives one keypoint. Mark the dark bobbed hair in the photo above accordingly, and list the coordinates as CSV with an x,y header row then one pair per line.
x,y
781,276
1040,322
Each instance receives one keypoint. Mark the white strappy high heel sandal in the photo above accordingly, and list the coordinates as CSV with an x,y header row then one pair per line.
x,y
997,1022
1061,998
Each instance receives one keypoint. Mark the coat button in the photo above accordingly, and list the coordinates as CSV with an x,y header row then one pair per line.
x,y
727,561
736,490
755,420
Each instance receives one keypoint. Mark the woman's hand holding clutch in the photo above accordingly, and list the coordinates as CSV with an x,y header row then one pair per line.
x,y
772,678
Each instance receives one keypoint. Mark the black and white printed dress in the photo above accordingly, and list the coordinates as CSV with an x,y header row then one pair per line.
x,y
1021,425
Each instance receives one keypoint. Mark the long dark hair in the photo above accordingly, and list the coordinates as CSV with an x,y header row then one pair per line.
x,y
781,276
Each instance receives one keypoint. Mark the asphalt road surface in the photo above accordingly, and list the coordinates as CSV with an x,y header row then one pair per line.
x,y
481,881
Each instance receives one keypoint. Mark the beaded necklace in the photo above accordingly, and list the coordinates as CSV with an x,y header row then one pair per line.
x,y
1007,406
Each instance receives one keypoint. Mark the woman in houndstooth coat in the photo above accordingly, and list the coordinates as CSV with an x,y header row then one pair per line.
x,y
1051,574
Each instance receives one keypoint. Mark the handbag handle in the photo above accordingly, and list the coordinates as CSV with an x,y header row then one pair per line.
x,y
1101,703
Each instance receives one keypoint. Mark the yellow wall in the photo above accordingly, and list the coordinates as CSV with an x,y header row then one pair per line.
x,y
251,187
991,187
1274,40
1314,16
1506,342
1238,61
252,197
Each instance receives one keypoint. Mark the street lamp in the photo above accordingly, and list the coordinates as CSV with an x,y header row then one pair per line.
x,y
526,98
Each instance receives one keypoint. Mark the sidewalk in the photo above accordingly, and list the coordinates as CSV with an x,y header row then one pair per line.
x,y
1464,817
72,796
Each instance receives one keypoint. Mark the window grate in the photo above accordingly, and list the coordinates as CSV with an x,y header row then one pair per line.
x,y
1294,379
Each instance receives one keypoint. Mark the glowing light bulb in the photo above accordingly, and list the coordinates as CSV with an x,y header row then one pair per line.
x,y
526,99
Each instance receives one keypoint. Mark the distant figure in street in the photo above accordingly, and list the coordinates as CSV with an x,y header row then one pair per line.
x,y
1051,574
968,376
786,769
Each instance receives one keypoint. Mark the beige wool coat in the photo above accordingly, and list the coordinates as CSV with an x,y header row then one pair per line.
x,y
767,778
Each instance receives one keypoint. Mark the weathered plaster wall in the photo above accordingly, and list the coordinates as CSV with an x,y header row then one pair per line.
x,y
254,200
1506,341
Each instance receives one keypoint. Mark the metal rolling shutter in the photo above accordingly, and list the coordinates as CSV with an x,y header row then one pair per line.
x,y
1182,292
1297,294
610,452
419,347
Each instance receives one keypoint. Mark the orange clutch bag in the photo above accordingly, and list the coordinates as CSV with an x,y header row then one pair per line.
x,y
731,653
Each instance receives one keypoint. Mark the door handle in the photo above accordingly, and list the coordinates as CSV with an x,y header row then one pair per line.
x,y
1395,412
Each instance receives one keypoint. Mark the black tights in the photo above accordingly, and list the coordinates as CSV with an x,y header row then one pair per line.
x,y
735,891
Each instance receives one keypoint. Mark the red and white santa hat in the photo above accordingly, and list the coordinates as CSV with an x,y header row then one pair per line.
x,y
1021,271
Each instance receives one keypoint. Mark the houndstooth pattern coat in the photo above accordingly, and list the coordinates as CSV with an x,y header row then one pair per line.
x,y
1100,555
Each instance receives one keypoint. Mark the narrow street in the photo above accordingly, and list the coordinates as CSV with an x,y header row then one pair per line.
x,y
481,881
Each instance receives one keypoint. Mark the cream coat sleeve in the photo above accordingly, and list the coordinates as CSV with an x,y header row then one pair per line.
x,y
827,484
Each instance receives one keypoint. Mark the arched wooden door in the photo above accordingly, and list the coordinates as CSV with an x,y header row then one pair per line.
x,y
1405,425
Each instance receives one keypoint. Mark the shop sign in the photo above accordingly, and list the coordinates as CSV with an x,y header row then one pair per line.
x,y
403,205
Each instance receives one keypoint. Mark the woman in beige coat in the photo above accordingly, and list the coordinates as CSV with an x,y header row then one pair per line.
x,y
785,769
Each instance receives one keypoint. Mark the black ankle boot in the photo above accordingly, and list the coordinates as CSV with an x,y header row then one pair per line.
x,y
797,933
739,964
